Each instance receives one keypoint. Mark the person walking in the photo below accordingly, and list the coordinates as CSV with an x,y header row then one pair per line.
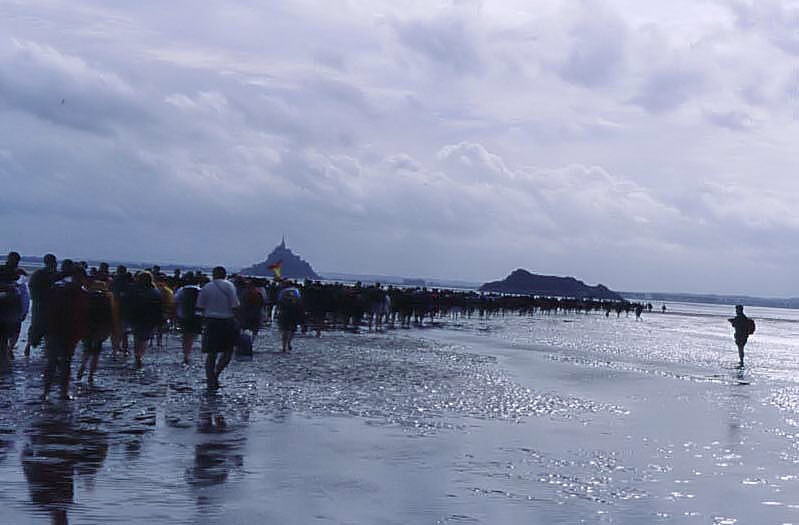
x,y
290,313
219,302
41,282
145,313
67,316
189,322
744,327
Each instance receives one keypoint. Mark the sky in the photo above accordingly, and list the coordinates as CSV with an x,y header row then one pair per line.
x,y
642,144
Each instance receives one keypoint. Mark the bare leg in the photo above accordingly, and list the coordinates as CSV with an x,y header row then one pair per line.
x,y
52,367
210,366
27,351
66,373
84,360
93,364
141,346
188,343
12,344
223,362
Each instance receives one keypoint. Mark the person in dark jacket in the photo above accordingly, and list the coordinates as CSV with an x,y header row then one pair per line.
x,y
145,313
67,317
744,327
99,326
40,284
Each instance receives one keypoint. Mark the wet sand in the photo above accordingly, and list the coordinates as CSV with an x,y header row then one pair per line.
x,y
462,424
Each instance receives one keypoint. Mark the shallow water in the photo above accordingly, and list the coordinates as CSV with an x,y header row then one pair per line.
x,y
549,419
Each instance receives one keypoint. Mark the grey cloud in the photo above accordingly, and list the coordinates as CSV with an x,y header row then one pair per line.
x,y
598,48
402,162
667,89
447,41
778,21
64,89
734,120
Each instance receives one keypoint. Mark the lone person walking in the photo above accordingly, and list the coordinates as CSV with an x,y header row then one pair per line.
x,y
744,327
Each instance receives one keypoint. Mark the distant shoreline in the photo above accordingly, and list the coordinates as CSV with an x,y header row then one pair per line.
x,y
664,297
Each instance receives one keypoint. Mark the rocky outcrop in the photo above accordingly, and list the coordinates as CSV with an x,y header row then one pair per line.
x,y
292,265
525,283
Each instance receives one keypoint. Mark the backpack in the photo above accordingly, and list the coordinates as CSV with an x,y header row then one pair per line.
x,y
188,302
244,344
99,309
750,326
252,299
10,303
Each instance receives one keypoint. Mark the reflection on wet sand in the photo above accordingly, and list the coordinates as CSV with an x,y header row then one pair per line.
x,y
6,443
56,451
219,451
739,406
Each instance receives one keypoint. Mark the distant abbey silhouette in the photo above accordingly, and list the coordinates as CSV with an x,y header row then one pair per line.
x,y
293,266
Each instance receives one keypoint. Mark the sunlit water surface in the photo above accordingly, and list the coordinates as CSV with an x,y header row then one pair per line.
x,y
543,419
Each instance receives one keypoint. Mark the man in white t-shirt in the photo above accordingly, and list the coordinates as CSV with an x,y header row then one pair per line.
x,y
218,301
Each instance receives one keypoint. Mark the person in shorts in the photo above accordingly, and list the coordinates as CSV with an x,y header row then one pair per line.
x,y
218,301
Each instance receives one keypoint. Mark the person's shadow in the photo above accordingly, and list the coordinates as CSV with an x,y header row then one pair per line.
x,y
56,451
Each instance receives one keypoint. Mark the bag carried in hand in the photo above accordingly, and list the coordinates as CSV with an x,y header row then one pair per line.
x,y
244,344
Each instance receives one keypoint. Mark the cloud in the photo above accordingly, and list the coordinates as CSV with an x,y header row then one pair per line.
x,y
473,160
446,40
64,89
733,120
668,89
591,138
598,47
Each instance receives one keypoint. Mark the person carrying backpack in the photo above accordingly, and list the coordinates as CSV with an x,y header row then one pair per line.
x,y
99,326
145,314
189,321
67,320
744,327
251,311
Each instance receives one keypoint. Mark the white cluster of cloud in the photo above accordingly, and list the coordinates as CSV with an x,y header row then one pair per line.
x,y
619,141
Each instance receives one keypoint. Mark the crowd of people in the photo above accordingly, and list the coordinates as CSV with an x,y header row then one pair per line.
x,y
73,303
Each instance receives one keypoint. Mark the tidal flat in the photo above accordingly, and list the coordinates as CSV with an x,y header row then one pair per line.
x,y
520,419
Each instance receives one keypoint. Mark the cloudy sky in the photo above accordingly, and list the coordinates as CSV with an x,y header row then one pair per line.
x,y
643,144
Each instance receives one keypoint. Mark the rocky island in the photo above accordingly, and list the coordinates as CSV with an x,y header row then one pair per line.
x,y
292,265
525,283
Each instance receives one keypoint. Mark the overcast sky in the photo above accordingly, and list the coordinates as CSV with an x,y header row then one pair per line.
x,y
643,144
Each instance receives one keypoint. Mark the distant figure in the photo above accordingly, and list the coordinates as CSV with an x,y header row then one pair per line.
x,y
744,327
663,308
639,309
290,313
